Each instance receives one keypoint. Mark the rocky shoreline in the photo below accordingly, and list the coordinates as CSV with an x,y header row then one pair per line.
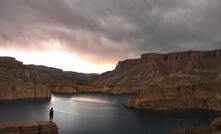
x,y
37,127
204,96
93,88
213,128
198,96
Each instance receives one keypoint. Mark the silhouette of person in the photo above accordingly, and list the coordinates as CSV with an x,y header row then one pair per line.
x,y
51,114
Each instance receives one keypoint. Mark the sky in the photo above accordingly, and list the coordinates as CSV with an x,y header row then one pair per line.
x,y
91,36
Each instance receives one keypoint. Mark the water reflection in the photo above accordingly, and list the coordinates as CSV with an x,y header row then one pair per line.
x,y
102,114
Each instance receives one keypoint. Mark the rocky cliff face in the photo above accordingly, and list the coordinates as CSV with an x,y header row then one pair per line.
x,y
180,80
173,68
38,127
18,81
199,96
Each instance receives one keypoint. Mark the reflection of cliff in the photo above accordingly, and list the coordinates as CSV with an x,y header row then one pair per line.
x,y
39,127
170,81
18,81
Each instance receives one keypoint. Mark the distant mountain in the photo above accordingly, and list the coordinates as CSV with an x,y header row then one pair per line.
x,y
19,81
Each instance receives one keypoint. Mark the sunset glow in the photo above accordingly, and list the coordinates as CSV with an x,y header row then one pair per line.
x,y
59,59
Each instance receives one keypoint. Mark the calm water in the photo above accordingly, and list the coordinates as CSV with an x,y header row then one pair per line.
x,y
102,114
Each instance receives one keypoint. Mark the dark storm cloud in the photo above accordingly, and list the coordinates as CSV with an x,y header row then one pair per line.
x,y
112,29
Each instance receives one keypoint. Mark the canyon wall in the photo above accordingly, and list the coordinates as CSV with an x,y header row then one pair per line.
x,y
19,81
179,80
172,68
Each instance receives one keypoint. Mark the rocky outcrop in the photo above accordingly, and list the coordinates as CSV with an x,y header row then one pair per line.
x,y
180,80
38,127
19,81
199,96
213,128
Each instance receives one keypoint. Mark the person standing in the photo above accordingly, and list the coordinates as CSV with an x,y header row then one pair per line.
x,y
51,114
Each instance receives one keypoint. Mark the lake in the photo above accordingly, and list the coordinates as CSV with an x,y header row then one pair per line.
x,y
102,114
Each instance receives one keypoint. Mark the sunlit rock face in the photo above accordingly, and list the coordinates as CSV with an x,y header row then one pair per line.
x,y
179,80
18,81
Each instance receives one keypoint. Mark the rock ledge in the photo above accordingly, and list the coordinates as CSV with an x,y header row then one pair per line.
x,y
38,127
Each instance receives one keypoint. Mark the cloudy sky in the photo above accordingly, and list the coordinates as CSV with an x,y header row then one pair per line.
x,y
92,35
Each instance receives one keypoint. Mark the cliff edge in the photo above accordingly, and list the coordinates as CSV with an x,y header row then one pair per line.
x,y
38,127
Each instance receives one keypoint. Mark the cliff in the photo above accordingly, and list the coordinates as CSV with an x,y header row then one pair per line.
x,y
19,81
172,68
179,80
199,96
38,127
